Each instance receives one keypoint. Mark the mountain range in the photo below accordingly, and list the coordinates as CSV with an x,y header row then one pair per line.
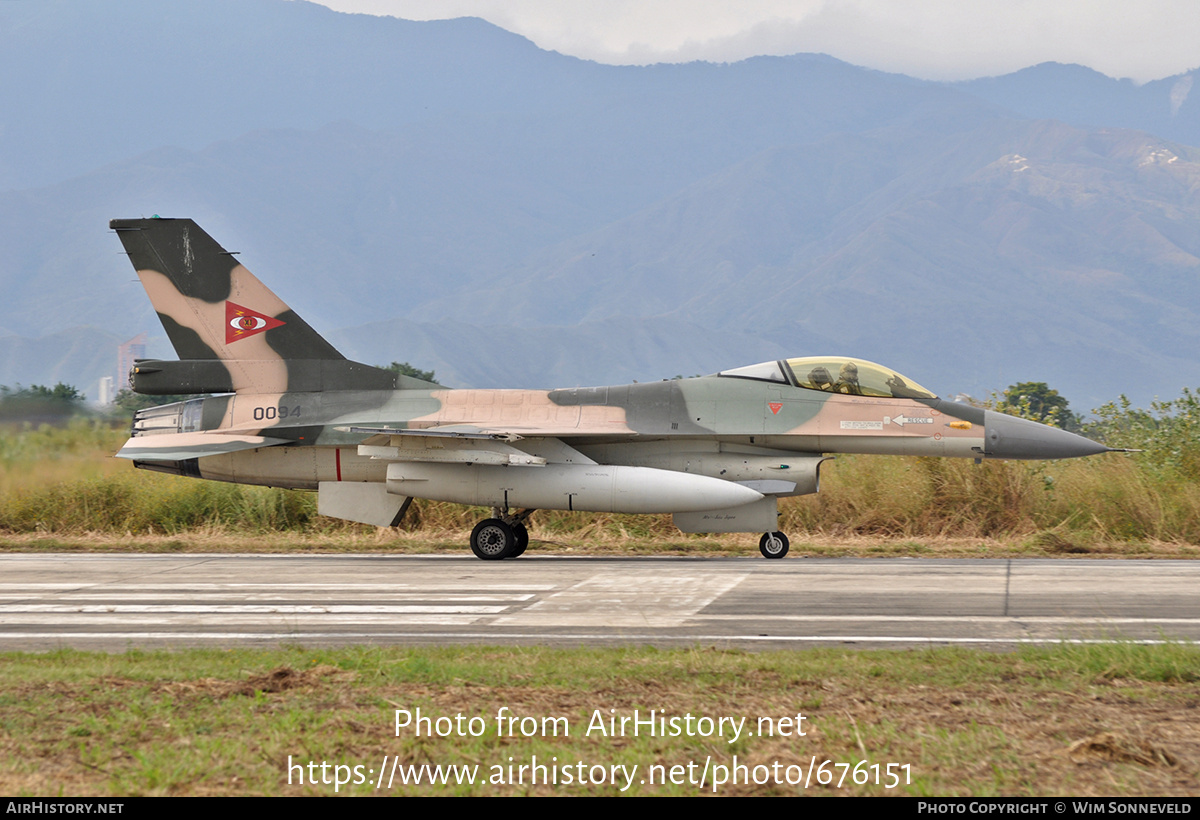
x,y
447,193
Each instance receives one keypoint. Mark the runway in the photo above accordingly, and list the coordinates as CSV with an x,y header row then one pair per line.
x,y
115,602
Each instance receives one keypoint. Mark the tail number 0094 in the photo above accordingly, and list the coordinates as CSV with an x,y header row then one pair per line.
x,y
272,413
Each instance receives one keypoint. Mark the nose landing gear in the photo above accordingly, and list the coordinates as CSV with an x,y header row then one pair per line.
x,y
773,545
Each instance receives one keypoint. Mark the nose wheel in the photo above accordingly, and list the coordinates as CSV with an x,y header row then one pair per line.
x,y
773,545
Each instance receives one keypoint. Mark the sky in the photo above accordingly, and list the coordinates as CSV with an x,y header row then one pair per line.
x,y
930,39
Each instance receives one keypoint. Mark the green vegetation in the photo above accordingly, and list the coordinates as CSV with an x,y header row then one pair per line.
x,y
406,369
1082,720
62,403
39,404
1038,402
1168,433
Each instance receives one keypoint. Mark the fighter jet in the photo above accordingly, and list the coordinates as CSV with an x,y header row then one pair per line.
x,y
717,451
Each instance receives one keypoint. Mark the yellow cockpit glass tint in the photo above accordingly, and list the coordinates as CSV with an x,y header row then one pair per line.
x,y
854,377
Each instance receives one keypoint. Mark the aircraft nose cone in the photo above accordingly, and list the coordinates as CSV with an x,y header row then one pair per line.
x,y
1010,437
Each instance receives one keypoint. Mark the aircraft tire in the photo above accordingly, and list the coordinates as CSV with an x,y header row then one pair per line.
x,y
522,542
773,545
492,540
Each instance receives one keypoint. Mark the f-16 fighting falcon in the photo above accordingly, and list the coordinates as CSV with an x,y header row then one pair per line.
x,y
715,451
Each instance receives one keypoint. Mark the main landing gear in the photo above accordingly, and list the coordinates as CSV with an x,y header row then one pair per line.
x,y
502,536
773,545
505,536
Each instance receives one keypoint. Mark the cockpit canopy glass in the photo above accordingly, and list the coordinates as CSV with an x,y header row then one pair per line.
x,y
854,377
834,374
767,372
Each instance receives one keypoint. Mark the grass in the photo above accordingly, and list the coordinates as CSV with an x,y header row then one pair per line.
x,y
1113,719
1080,720
61,485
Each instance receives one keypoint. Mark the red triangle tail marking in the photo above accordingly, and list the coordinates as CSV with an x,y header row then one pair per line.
x,y
242,322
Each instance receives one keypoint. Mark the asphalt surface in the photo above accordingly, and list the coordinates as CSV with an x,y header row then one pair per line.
x,y
114,602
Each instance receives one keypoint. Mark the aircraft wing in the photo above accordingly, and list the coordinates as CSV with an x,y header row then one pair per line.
x,y
183,446
511,432
466,444
457,431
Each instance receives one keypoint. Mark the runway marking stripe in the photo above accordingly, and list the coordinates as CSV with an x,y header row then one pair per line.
x,y
476,588
193,620
970,619
41,613
625,638
394,596
268,609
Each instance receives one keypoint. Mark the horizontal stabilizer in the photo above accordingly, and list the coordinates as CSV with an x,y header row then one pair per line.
x,y
182,446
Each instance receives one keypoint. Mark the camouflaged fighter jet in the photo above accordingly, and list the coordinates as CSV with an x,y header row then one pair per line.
x,y
716,451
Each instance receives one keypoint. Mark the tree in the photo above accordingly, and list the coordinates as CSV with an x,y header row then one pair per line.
x,y
59,393
40,404
406,369
1167,434
1038,402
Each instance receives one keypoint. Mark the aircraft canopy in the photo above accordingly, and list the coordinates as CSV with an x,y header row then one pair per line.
x,y
835,374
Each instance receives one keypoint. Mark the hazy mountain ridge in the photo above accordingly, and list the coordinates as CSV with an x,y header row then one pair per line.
x,y
453,196
1169,107
1064,234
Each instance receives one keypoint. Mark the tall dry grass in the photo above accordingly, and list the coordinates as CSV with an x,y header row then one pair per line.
x,y
1104,498
64,480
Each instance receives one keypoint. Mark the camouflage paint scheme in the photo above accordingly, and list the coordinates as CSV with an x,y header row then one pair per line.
x,y
298,414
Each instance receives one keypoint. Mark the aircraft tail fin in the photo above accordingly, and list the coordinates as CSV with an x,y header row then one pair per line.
x,y
230,331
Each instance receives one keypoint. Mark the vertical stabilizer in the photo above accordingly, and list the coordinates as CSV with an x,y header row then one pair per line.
x,y
212,308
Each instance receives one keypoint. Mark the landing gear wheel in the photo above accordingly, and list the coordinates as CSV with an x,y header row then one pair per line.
x,y
492,540
773,545
522,541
